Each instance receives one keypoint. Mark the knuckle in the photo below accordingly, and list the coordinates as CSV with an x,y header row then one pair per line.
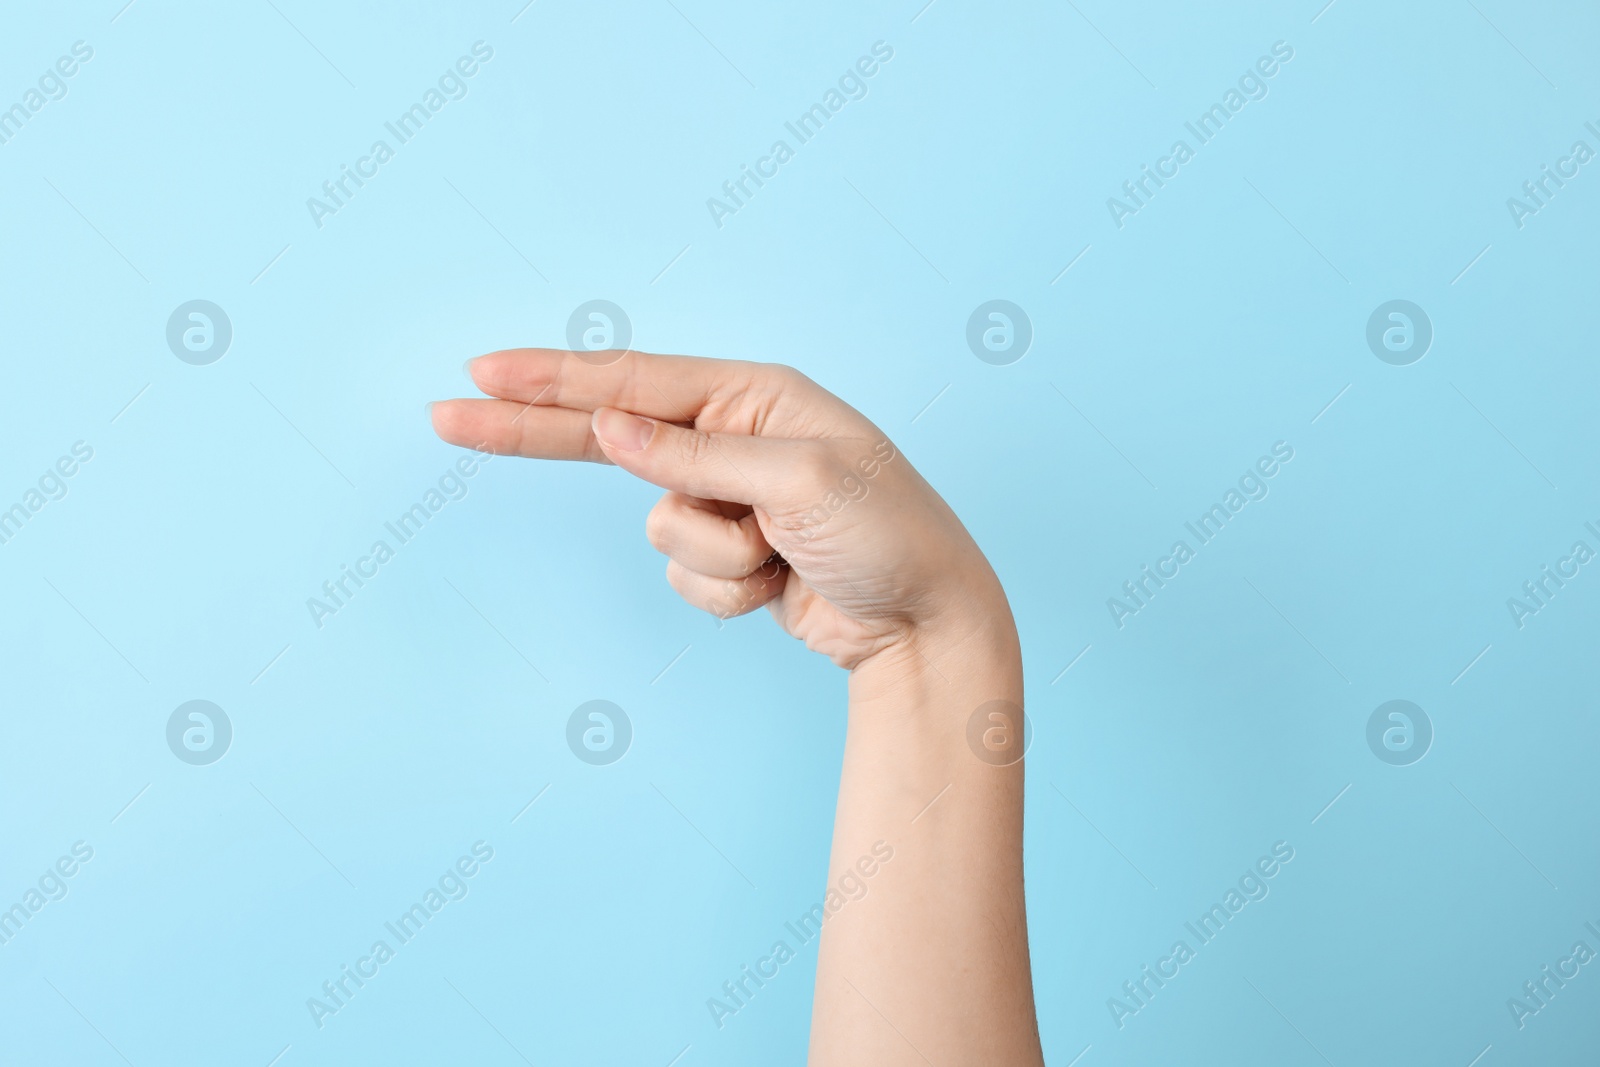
x,y
658,526
815,469
785,375
792,375
785,380
697,447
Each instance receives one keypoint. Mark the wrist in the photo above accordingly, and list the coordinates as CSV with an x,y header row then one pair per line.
x,y
970,651
943,707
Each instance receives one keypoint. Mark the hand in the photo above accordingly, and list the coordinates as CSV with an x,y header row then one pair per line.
x,y
871,568
778,493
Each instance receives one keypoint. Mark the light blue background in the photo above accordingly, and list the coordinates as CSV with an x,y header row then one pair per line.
x,y
1225,316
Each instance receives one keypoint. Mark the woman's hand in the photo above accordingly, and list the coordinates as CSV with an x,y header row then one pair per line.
x,y
778,493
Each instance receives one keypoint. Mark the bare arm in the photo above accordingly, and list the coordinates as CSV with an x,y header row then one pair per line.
x,y
781,495
931,966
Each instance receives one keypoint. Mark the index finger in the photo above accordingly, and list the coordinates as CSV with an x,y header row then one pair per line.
x,y
669,388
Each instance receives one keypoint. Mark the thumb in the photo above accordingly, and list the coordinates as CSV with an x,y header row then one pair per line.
x,y
737,468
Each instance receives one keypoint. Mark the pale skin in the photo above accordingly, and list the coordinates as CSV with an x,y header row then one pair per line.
x,y
873,570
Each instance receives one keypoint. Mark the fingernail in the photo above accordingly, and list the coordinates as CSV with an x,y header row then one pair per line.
x,y
428,408
466,368
622,431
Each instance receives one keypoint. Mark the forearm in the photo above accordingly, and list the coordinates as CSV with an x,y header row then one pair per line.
x,y
931,964
924,951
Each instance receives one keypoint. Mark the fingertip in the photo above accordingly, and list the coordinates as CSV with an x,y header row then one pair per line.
x,y
486,370
446,418
621,431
